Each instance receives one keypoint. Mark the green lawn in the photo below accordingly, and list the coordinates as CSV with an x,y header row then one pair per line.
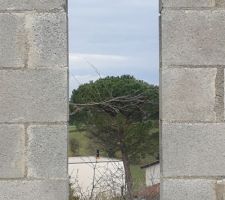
x,y
81,138
138,175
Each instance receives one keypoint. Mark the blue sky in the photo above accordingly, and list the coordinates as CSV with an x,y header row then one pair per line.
x,y
116,36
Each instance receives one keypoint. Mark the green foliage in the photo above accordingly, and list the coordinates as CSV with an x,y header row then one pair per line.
x,y
113,87
124,121
72,193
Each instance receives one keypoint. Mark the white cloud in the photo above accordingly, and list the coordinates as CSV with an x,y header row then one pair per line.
x,y
95,58
81,64
82,72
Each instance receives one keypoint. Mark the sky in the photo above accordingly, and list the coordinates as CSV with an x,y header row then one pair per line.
x,y
117,37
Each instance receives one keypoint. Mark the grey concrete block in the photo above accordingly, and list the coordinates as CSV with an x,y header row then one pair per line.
x,y
193,149
34,189
47,40
12,40
32,4
47,151
220,3
193,37
12,151
33,95
188,94
188,3
179,189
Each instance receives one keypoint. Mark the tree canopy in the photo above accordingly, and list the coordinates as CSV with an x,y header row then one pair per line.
x,y
134,99
112,103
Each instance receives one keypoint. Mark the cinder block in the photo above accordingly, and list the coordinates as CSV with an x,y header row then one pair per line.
x,y
193,149
193,37
47,40
12,151
47,151
188,94
188,3
180,189
34,189
12,40
33,95
220,3
32,4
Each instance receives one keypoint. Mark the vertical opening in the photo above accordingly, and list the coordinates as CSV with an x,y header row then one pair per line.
x,y
114,99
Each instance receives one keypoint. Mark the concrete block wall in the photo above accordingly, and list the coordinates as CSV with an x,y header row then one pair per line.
x,y
192,99
33,100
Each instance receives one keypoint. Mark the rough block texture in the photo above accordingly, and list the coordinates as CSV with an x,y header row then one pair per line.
x,y
188,94
179,189
220,3
34,190
33,95
193,149
47,151
188,3
33,100
32,4
12,40
12,151
193,37
47,40
192,99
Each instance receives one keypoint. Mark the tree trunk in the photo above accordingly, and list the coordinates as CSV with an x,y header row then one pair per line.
x,y
128,176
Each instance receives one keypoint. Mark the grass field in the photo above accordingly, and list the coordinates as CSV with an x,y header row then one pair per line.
x,y
86,145
82,139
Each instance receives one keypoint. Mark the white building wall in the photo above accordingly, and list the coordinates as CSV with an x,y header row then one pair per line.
x,y
104,175
152,174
